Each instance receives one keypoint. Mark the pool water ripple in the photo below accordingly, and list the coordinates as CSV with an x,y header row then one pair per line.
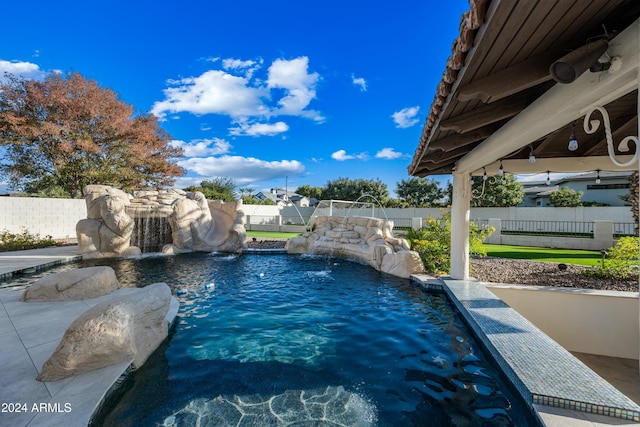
x,y
274,327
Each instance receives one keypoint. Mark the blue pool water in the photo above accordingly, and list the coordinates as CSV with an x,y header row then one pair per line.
x,y
307,341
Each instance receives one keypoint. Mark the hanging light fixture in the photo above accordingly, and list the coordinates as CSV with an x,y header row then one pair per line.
x,y
484,175
548,178
532,157
598,176
500,170
573,142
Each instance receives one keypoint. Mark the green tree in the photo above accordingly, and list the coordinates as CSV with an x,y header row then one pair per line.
x,y
420,192
433,242
219,188
65,132
348,189
565,198
246,192
310,192
496,192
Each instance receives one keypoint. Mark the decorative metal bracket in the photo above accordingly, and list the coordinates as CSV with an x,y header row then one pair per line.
x,y
475,194
590,126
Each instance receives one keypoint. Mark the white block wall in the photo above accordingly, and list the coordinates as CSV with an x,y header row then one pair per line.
x,y
54,217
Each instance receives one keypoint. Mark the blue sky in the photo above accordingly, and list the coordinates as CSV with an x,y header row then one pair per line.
x,y
267,93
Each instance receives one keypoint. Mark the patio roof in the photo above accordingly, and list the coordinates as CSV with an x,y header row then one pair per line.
x,y
498,102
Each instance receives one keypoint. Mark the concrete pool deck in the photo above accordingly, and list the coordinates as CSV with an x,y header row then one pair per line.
x,y
29,332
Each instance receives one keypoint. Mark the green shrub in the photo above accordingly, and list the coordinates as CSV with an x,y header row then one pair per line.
x,y
620,262
24,240
433,242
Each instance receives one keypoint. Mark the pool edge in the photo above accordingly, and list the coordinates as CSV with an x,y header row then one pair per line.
x,y
496,324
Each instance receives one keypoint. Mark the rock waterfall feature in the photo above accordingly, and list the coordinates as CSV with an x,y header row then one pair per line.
x,y
361,238
168,221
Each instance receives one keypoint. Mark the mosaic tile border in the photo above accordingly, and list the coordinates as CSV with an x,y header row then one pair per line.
x,y
517,345
625,414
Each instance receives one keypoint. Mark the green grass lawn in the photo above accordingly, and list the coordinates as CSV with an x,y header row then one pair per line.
x,y
271,235
567,256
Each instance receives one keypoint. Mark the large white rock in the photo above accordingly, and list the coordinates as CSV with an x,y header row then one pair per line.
x,y
366,239
77,284
125,328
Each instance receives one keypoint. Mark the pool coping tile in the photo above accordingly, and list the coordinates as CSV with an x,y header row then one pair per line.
x,y
524,353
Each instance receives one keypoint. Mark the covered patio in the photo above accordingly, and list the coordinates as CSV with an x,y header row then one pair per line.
x,y
533,87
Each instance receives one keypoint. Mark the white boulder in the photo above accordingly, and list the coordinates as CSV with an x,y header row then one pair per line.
x,y
125,328
77,284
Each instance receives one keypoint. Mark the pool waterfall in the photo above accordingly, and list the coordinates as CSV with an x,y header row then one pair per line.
x,y
151,229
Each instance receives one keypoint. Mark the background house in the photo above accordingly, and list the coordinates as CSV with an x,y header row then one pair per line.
x,y
283,198
601,187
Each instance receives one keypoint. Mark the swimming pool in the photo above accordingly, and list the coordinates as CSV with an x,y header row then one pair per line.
x,y
302,340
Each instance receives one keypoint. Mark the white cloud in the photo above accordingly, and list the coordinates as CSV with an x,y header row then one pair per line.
x,y
299,85
359,81
258,129
213,92
26,70
237,64
388,153
244,97
406,117
249,66
242,170
202,147
341,155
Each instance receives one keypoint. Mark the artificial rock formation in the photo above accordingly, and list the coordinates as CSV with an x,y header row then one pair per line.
x,y
168,221
206,226
77,284
125,328
107,230
365,239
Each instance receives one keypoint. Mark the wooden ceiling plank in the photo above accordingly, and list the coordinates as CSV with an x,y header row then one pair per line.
x,y
539,23
571,32
517,47
494,57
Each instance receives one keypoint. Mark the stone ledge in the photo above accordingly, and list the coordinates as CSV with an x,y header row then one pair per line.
x,y
540,369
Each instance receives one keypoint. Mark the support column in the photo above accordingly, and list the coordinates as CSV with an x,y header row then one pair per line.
x,y
460,212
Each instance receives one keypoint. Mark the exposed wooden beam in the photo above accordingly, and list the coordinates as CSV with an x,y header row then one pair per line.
x,y
556,164
461,140
511,80
443,156
485,115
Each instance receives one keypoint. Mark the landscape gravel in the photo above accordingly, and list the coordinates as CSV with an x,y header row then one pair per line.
x,y
524,272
